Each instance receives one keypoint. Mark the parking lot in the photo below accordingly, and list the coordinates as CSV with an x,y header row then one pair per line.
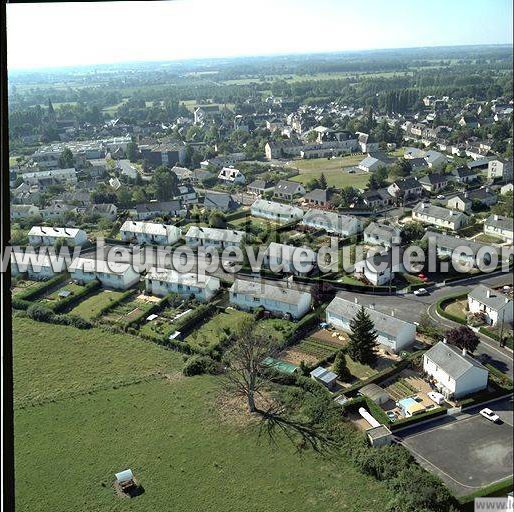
x,y
467,452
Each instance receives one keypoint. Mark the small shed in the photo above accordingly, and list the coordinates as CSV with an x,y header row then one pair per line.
x,y
125,480
379,436
376,393
325,377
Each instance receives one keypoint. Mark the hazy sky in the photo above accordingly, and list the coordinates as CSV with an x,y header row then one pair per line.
x,y
65,34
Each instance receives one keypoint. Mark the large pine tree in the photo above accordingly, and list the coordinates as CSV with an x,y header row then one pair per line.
x,y
363,338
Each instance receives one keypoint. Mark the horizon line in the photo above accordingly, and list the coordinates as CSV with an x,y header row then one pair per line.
x,y
249,56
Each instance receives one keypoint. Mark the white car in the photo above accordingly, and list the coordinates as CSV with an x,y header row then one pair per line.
x,y
420,291
490,415
436,397
440,196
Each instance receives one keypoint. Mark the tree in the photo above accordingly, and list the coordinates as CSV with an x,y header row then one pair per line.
x,y
246,373
363,338
341,368
412,231
322,182
217,220
66,159
132,151
165,183
463,337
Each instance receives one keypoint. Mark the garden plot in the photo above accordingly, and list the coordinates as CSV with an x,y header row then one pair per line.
x,y
93,305
310,350
61,292
163,325
22,285
129,309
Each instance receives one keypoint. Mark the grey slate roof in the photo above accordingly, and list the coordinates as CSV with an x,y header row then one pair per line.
x,y
437,212
268,290
433,179
387,324
156,207
451,360
498,221
489,297
382,231
219,201
287,187
452,242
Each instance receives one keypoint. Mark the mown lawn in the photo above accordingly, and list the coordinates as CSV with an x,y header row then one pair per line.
x,y
188,451
91,306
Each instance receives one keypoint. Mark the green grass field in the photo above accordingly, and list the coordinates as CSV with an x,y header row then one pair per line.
x,y
188,450
335,170
92,305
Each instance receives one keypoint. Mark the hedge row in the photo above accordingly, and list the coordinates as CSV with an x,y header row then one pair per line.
x,y
114,303
491,334
37,291
433,413
41,313
67,303
440,305
355,404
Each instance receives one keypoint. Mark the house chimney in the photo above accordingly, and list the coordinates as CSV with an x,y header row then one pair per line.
x,y
356,300
464,352
445,341
495,217
488,294
392,312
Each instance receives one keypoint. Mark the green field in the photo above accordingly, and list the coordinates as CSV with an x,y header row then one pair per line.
x,y
335,170
90,307
189,451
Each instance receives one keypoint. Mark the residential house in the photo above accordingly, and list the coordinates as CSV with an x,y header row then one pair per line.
x,y
500,168
455,373
272,296
213,237
219,201
483,196
57,210
146,211
499,226
232,176
434,182
288,190
161,283
439,216
319,197
23,211
290,259
393,333
277,212
167,154
464,175
105,210
366,143
149,233
435,160
377,198
406,188
378,268
381,234
459,202
119,276
506,188
186,194
411,153
47,236
375,161
458,249
260,187
332,222
494,305
38,267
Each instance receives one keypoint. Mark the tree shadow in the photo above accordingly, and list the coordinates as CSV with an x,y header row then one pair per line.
x,y
302,434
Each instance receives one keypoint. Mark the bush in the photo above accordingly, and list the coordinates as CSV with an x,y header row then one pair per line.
x,y
40,313
198,365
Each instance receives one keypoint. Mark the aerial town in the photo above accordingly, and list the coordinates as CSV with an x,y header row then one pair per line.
x,y
381,381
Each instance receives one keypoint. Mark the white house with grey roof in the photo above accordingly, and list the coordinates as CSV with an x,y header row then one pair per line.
x,y
291,259
45,235
332,222
150,233
22,211
272,296
231,175
277,212
434,159
161,283
116,275
379,268
213,237
381,234
38,267
456,374
439,216
499,226
494,305
394,334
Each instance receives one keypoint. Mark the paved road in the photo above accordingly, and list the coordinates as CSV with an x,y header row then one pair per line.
x,y
410,308
481,451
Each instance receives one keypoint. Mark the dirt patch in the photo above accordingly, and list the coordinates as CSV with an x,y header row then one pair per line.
x,y
174,377
233,409
296,357
148,299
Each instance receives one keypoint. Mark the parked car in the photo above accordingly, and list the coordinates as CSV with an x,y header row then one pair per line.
x,y
423,277
391,415
490,415
440,196
420,291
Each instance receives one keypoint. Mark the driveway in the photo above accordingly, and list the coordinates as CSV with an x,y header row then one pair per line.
x,y
467,452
